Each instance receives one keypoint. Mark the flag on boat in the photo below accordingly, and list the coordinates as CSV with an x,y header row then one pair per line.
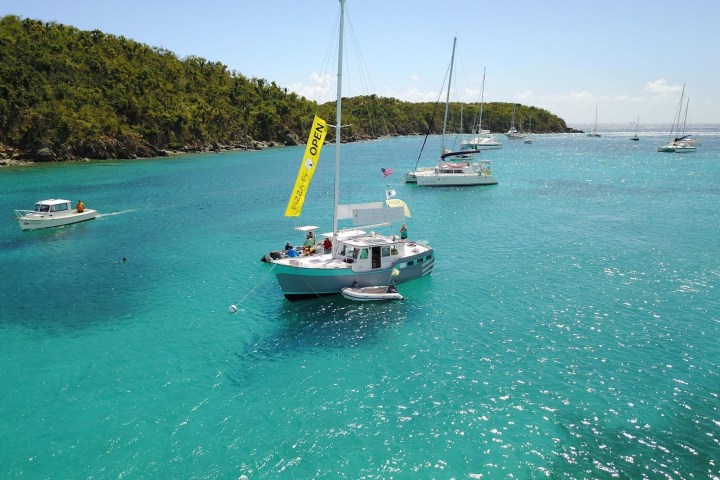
x,y
396,202
390,194
307,167
386,171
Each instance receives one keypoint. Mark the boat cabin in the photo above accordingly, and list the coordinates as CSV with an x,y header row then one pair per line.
x,y
369,252
53,205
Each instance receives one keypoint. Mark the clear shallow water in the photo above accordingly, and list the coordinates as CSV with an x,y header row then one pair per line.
x,y
569,328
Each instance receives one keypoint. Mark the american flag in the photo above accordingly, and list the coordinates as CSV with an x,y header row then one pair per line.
x,y
386,171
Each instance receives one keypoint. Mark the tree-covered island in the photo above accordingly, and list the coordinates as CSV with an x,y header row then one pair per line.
x,y
67,94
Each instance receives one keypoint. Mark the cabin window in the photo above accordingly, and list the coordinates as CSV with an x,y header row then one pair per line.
x,y
342,251
61,207
428,257
419,260
52,208
386,251
410,263
364,254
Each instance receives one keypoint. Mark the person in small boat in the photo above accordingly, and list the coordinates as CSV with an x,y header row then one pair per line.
x,y
287,246
403,233
327,245
292,253
80,207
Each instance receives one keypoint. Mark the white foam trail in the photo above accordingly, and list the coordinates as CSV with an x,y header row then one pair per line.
x,y
117,213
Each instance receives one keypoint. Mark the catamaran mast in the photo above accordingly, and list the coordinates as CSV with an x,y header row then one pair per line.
x,y
482,101
338,125
447,100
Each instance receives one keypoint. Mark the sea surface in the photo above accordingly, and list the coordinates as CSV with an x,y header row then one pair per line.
x,y
570,328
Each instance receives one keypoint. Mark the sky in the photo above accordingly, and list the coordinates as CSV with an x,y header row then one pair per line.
x,y
627,58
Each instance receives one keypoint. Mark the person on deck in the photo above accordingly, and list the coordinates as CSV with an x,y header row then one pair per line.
x,y
292,253
80,206
403,233
327,245
309,244
288,246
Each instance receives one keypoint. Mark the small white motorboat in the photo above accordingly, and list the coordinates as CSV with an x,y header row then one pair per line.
x,y
53,212
370,294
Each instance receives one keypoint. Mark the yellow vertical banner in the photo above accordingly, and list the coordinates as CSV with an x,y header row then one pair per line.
x,y
307,167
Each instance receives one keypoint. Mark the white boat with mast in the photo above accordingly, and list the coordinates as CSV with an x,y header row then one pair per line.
x,y
527,137
679,143
512,133
484,139
356,259
594,132
456,173
636,137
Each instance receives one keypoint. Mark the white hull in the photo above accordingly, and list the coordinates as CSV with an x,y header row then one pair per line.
x,y
370,294
677,148
454,179
482,143
34,220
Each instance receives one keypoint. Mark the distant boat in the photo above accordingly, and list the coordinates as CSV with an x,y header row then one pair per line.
x,y
484,140
512,132
594,132
527,137
677,142
636,137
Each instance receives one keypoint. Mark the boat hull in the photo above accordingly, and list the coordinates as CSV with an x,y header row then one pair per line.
x,y
35,221
298,282
454,180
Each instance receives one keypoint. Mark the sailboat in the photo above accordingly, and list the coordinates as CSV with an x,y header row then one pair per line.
x,y
484,140
679,143
448,174
527,137
512,133
594,132
356,258
636,137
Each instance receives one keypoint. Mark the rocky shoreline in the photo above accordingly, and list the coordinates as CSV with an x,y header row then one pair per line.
x,y
125,150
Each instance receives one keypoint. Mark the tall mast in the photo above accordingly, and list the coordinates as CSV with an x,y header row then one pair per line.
x,y
482,100
447,100
338,117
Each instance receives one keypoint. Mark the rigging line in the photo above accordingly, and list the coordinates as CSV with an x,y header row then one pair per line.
x,y
256,285
432,119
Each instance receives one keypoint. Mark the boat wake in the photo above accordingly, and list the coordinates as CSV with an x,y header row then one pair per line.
x,y
100,215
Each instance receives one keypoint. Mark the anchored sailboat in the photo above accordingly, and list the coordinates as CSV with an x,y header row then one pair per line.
x,y
356,258
484,140
679,143
456,173
594,132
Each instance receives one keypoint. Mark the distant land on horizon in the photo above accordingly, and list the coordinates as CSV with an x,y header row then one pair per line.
x,y
68,94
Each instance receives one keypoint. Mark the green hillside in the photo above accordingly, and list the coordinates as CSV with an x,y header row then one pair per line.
x,y
68,94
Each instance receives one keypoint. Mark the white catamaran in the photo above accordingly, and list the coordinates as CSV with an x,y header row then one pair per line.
x,y
458,173
356,258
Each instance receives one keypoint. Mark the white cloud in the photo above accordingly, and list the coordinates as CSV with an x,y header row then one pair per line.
x,y
415,78
528,95
660,86
319,89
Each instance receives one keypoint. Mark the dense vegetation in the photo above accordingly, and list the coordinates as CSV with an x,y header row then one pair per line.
x,y
68,94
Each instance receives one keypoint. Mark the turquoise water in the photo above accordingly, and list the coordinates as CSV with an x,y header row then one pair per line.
x,y
568,330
